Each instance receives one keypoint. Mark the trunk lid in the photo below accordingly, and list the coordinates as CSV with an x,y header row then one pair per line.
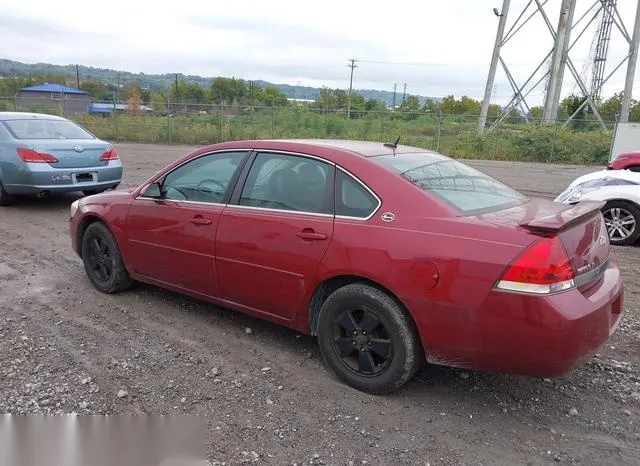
x,y
580,227
74,153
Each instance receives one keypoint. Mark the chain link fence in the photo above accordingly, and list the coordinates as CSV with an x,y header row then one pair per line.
x,y
579,142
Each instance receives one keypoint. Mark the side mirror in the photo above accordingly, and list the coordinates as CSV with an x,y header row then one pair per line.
x,y
154,191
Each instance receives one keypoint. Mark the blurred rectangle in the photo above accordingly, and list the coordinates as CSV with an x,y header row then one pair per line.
x,y
74,440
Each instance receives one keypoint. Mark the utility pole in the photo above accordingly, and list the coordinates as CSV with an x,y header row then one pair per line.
x,y
631,68
404,92
351,65
118,86
559,60
177,92
77,77
484,111
393,107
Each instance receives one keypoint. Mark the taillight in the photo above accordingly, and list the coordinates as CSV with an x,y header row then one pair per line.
x,y
542,269
111,154
31,156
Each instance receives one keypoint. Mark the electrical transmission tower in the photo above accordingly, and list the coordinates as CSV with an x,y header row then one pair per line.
x,y
603,38
552,72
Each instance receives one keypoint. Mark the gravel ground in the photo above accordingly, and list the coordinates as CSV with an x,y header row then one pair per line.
x,y
65,347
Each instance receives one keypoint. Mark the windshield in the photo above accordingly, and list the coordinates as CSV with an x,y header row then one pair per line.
x,y
46,129
467,189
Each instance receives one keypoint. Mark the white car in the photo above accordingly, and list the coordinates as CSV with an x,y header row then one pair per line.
x,y
620,189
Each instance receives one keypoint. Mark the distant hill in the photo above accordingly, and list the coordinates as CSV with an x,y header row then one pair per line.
x,y
10,68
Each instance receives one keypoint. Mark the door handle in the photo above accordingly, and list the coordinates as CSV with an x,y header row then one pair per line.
x,y
311,235
199,220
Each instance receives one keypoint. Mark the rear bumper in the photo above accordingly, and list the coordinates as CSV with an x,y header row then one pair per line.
x,y
36,178
529,335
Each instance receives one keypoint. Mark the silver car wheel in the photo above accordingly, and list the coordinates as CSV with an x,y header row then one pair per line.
x,y
620,223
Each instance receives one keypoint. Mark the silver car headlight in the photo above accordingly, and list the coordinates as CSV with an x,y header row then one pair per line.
x,y
74,207
570,195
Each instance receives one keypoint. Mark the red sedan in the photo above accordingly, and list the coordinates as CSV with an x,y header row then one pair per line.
x,y
625,161
390,255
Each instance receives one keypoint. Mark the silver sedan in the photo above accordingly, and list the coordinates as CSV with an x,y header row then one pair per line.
x,y
42,154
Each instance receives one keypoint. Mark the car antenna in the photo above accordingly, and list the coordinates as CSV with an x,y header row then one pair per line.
x,y
392,145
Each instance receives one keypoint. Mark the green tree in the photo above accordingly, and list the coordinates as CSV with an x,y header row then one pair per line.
x,y
609,108
448,104
430,106
227,90
340,98
410,107
570,105
634,113
273,96
358,104
536,112
96,89
467,106
158,102
188,93
325,99
374,105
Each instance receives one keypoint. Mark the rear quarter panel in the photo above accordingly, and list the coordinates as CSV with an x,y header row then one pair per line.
x,y
442,272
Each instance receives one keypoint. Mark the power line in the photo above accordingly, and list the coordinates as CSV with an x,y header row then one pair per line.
x,y
380,62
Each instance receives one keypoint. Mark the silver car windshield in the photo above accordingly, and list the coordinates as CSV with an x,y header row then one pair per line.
x,y
46,129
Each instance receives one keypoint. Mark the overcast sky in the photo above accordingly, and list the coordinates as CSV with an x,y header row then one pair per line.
x,y
447,43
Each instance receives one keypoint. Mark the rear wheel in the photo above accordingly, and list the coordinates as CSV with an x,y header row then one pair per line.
x,y
622,219
102,260
634,168
5,198
368,340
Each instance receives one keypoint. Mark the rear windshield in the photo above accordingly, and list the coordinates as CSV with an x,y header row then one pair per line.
x,y
467,189
46,129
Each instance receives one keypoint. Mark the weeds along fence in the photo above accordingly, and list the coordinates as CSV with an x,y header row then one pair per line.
x,y
580,142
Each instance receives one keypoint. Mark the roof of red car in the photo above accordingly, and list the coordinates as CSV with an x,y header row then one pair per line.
x,y
364,148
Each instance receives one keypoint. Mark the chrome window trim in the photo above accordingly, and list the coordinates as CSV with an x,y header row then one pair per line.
x,y
297,154
268,209
375,196
279,211
154,180
180,201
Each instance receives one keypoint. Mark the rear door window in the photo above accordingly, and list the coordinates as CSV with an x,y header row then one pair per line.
x,y
289,182
470,191
353,199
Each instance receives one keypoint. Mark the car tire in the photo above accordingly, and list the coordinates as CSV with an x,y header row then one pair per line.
x,y
5,198
91,192
384,352
622,211
634,168
103,261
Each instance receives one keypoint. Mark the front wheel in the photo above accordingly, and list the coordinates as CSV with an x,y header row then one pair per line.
x,y
622,219
102,260
368,340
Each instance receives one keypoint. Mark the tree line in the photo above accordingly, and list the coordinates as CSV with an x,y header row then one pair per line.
x,y
234,91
